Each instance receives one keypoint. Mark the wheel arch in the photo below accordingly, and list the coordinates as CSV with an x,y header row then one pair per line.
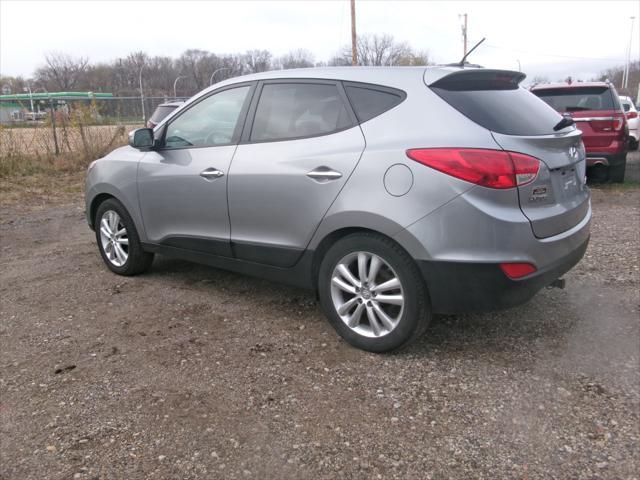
x,y
93,207
331,238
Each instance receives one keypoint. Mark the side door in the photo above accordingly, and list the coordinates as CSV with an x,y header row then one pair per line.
x,y
300,145
182,184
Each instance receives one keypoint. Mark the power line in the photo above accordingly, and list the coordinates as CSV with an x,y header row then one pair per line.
x,y
552,54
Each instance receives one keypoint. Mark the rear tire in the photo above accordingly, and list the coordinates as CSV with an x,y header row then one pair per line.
x,y
633,144
616,172
391,303
598,173
118,240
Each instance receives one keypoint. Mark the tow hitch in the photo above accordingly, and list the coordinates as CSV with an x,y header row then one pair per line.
x,y
557,283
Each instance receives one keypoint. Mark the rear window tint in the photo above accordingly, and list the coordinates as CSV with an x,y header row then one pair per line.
x,y
369,101
578,99
508,110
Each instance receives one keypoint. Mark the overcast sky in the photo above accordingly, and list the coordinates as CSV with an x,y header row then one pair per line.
x,y
550,38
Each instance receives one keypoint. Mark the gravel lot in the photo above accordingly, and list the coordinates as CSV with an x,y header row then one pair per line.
x,y
190,372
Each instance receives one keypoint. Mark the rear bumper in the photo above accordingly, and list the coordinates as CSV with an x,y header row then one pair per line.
x,y
457,287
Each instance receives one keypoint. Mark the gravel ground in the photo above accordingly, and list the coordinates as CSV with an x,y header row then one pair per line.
x,y
191,372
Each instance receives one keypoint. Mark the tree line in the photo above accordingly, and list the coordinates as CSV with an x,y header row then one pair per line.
x,y
193,69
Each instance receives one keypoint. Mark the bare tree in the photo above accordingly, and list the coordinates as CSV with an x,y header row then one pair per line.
x,y
296,59
381,50
417,59
62,72
540,79
615,74
257,61
197,66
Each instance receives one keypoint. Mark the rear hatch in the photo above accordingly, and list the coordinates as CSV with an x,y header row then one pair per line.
x,y
595,109
557,199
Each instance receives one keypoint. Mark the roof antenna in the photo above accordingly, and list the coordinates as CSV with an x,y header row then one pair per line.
x,y
461,64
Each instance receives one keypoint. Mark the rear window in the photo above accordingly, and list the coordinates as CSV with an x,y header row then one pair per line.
x,y
161,113
578,99
369,101
495,101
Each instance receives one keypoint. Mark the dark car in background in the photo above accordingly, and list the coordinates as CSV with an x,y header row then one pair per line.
x,y
161,112
596,109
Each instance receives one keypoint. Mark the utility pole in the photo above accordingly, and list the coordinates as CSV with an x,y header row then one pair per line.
x,y
175,83
28,88
354,38
625,74
144,116
464,32
216,71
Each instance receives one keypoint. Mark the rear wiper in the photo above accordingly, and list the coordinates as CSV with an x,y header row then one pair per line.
x,y
564,123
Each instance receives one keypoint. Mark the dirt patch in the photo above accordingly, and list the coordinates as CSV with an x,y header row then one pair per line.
x,y
193,372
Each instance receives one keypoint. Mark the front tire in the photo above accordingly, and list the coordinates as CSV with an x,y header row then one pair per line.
x,y
118,240
372,293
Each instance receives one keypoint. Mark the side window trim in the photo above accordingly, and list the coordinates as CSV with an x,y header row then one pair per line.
x,y
250,119
372,86
239,125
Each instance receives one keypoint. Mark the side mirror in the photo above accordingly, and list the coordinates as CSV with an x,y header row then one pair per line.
x,y
141,138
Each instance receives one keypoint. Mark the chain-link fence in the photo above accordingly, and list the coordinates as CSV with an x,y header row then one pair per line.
x,y
44,130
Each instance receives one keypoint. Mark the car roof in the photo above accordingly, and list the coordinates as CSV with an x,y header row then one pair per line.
x,y
389,76
540,86
398,77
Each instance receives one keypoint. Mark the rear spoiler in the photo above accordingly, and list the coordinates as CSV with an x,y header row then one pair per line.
x,y
479,79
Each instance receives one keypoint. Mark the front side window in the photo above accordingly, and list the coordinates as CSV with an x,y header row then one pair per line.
x,y
294,110
209,123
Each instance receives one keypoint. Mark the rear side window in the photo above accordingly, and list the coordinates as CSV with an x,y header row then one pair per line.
x,y
578,99
496,102
296,110
369,101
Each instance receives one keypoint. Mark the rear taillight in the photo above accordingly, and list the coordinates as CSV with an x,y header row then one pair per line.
x,y
619,121
631,115
614,123
489,168
605,125
517,270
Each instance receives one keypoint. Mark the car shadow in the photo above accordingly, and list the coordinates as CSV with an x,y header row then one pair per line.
x,y
548,318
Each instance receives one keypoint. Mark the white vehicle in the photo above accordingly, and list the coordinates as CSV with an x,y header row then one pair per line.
x,y
632,120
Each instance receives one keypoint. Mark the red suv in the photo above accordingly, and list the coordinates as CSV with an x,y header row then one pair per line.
x,y
596,109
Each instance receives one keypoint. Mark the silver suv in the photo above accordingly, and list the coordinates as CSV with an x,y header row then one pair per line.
x,y
394,193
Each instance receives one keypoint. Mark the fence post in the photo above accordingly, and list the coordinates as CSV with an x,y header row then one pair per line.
x,y
53,126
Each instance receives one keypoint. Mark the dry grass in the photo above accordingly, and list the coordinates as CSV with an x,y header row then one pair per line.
x,y
32,175
41,190
30,151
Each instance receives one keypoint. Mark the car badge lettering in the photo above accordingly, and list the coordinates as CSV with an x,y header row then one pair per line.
x,y
538,194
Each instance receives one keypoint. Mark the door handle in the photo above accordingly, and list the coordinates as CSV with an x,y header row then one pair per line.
x,y
211,173
324,174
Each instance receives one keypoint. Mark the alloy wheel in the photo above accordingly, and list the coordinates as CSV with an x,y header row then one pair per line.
x,y
114,238
367,294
